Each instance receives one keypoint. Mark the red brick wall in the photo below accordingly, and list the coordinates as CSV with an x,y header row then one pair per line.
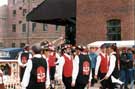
x,y
21,37
93,14
3,23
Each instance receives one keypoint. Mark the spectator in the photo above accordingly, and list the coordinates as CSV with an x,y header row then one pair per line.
x,y
23,57
130,68
124,67
93,57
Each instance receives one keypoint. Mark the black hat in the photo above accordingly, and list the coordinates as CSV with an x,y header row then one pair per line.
x,y
26,45
110,45
79,47
44,43
45,48
103,46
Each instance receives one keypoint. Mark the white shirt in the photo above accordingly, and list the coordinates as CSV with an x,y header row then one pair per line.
x,y
112,63
26,76
48,74
76,69
98,62
58,58
1,71
20,61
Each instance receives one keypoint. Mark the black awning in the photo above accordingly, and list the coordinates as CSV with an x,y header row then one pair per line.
x,y
54,12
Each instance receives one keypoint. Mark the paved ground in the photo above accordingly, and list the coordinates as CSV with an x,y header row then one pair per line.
x,y
96,86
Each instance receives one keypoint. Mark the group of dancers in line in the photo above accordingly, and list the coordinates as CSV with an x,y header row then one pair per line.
x,y
72,66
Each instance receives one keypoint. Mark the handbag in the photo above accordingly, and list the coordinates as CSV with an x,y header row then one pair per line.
x,y
2,84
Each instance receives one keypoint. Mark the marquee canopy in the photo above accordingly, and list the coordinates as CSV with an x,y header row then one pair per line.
x,y
60,12
126,43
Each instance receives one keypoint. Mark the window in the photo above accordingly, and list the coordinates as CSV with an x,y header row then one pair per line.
x,y
20,8
13,27
24,27
58,27
22,45
14,2
14,13
13,45
19,21
70,34
45,27
23,1
114,29
33,27
33,0
1,44
24,12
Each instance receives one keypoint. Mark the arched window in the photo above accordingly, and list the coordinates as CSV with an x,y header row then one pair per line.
x,y
114,29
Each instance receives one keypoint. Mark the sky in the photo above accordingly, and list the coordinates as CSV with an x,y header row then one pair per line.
x,y
3,2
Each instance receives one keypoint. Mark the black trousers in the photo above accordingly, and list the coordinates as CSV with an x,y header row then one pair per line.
x,y
22,70
67,82
52,72
93,81
36,88
79,86
106,84
40,87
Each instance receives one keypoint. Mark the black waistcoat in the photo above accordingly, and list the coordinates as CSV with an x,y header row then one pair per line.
x,y
84,69
38,74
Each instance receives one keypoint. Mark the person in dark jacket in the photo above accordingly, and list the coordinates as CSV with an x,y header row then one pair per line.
x,y
36,75
124,67
130,68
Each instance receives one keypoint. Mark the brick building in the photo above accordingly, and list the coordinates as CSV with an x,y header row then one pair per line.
x,y
105,20
3,23
21,32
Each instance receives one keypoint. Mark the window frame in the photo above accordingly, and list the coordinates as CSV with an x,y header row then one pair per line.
x,y
14,2
13,44
58,27
24,12
114,29
45,27
33,27
14,13
22,45
13,27
24,27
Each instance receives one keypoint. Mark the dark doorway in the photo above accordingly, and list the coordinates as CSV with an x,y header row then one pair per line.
x,y
70,34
